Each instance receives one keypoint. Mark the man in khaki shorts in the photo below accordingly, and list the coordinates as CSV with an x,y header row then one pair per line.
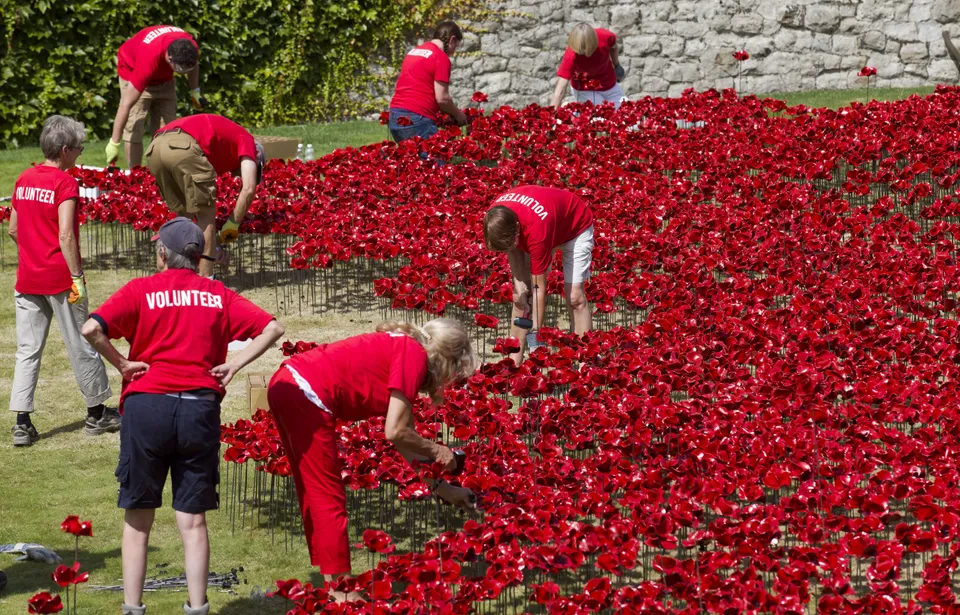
x,y
146,64
185,158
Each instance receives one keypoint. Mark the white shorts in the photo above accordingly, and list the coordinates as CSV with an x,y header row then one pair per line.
x,y
577,257
614,95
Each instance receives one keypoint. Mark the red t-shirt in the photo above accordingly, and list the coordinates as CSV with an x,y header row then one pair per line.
x,y
142,60
37,195
549,217
593,72
353,377
422,66
180,324
223,141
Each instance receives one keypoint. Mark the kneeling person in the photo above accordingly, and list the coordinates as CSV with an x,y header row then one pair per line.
x,y
185,158
178,325
529,223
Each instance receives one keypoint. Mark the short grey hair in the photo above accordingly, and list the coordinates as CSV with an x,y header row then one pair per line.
x,y
175,260
60,131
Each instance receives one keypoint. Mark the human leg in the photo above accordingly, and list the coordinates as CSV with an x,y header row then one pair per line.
x,y
136,125
308,437
88,367
33,317
577,259
133,553
207,221
195,476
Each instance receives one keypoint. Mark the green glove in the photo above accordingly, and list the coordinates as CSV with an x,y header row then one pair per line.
x,y
78,292
113,151
230,231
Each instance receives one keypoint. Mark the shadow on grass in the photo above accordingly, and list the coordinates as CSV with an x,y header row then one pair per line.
x,y
30,577
68,428
255,606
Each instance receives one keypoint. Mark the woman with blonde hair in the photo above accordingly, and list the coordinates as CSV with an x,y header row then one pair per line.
x,y
591,66
375,374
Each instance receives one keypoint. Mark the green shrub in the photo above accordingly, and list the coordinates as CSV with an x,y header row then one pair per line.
x,y
261,61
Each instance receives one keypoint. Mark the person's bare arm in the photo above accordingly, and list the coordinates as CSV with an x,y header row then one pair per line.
x,y
12,227
129,98
441,90
131,370
559,92
193,77
248,188
520,272
260,344
399,429
66,214
614,55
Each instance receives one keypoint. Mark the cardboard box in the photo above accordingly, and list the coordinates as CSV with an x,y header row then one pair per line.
x,y
257,390
284,148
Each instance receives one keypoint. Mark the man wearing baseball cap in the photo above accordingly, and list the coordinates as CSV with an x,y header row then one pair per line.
x,y
178,325
185,158
146,65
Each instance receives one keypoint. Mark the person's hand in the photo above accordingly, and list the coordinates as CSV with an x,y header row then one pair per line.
x,y
225,372
131,370
461,118
620,72
522,300
113,151
230,231
78,291
198,101
446,458
461,497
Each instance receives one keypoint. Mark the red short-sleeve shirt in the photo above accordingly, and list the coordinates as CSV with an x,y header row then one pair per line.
x,y
421,67
142,59
353,377
180,324
549,217
37,196
594,72
222,140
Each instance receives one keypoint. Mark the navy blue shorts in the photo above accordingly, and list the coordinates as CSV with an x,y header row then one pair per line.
x,y
162,433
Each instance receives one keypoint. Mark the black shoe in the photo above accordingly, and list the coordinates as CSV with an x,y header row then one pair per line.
x,y
24,435
3,580
108,423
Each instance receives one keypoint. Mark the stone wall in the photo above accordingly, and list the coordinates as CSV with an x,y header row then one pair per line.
x,y
668,46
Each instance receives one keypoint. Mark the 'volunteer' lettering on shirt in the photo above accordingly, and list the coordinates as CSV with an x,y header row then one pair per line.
x,y
183,298
525,200
29,193
423,53
159,32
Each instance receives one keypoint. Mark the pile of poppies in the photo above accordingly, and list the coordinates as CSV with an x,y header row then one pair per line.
x,y
772,428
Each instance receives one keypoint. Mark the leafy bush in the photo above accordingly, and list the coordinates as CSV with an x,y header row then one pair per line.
x,y
261,61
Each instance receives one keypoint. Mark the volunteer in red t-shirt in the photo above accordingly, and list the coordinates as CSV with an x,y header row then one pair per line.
x,y
591,66
185,158
45,226
423,88
146,64
374,375
178,325
529,223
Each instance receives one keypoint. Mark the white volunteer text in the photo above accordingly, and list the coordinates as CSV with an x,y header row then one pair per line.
x,y
29,193
523,199
183,298
152,34
423,53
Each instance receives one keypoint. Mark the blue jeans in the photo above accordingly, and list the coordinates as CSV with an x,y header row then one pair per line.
x,y
419,126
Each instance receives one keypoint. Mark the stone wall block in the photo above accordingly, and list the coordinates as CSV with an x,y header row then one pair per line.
x,y
873,39
822,18
746,23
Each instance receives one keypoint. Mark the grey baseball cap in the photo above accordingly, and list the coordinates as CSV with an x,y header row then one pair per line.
x,y
178,233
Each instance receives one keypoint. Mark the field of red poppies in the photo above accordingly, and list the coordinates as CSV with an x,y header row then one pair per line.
x,y
767,419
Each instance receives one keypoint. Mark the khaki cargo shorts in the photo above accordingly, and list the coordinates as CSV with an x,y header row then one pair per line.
x,y
185,177
159,102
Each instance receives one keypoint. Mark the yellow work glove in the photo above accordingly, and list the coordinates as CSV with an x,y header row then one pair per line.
x,y
113,151
78,292
198,101
230,231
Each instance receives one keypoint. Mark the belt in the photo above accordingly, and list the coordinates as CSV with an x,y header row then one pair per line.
x,y
307,390
195,396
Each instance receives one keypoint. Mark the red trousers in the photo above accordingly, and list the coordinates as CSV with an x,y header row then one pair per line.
x,y
309,438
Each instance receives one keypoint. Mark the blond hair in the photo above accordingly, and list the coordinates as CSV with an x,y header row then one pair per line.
x,y
450,354
583,39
